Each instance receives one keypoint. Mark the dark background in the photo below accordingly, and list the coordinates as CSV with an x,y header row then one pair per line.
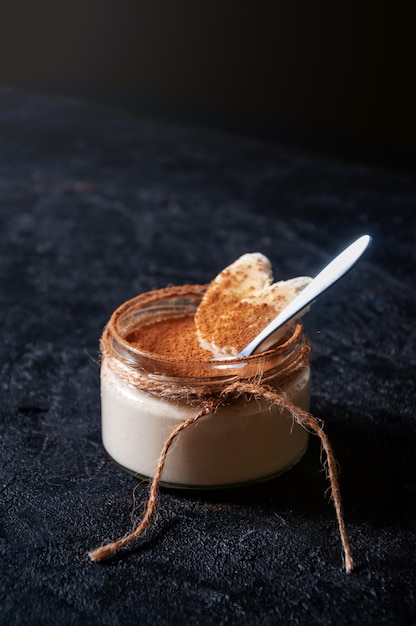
x,y
98,205
331,77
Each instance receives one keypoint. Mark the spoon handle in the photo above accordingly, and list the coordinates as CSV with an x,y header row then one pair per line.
x,y
327,277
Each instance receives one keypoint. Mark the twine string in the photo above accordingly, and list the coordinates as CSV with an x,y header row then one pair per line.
x,y
311,423
234,390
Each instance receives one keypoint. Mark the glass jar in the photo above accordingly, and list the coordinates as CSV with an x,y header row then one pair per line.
x,y
144,397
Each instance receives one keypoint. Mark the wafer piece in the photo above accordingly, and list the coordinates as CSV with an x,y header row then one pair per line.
x,y
240,301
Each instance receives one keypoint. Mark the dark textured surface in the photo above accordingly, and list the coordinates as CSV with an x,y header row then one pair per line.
x,y
96,207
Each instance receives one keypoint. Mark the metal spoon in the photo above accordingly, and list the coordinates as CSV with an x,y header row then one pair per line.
x,y
327,277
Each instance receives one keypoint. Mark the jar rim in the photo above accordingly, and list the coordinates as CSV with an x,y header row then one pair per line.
x,y
183,300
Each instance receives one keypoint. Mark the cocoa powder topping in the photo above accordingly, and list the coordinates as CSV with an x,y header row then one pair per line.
x,y
171,338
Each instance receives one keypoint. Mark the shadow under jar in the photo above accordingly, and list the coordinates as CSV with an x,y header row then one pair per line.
x,y
145,396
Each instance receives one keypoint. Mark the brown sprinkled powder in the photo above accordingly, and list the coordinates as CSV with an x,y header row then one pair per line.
x,y
172,338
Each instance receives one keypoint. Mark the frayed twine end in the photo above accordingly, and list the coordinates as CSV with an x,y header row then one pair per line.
x,y
349,563
100,554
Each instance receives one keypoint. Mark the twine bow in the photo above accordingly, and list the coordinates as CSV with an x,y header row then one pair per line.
x,y
211,405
